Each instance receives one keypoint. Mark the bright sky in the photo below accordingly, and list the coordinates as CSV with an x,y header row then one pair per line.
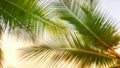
x,y
112,7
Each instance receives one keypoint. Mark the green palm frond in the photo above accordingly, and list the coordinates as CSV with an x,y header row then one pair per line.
x,y
98,28
71,52
30,15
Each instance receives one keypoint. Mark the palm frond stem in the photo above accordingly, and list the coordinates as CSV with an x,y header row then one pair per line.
x,y
75,49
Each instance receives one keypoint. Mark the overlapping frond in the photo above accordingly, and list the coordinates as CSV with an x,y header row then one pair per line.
x,y
92,46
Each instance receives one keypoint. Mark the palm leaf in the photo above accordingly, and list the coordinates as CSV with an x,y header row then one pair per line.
x,y
90,22
30,15
70,53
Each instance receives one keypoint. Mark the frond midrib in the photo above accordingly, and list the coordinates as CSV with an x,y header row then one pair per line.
x,y
75,50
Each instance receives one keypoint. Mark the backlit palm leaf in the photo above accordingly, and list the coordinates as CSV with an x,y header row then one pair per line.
x,y
74,52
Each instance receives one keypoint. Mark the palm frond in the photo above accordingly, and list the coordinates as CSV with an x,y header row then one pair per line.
x,y
30,15
70,52
53,56
89,22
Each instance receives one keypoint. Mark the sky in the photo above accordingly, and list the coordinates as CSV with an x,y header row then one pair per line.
x,y
111,7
